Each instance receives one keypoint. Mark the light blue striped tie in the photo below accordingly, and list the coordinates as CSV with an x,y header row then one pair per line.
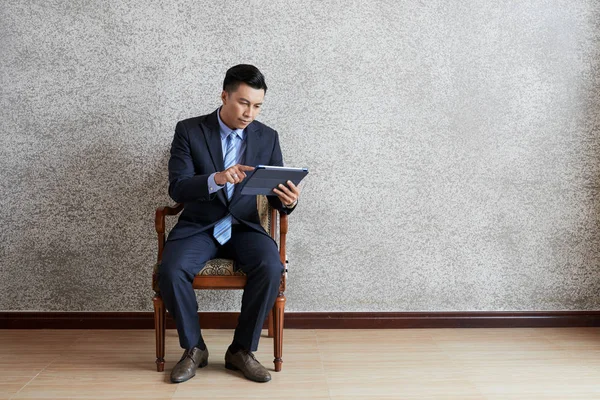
x,y
222,230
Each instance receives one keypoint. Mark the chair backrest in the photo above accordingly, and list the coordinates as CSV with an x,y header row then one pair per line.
x,y
266,215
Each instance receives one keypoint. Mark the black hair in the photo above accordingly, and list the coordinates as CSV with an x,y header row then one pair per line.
x,y
246,73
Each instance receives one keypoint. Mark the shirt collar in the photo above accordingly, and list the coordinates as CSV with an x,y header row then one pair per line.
x,y
225,130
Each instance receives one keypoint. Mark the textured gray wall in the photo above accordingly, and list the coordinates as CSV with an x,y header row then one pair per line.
x,y
453,146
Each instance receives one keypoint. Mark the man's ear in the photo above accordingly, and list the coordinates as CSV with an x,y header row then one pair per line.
x,y
224,96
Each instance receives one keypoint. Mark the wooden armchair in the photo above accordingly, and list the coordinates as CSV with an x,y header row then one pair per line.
x,y
220,274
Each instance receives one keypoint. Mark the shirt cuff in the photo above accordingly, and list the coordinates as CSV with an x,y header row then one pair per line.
x,y
212,185
291,205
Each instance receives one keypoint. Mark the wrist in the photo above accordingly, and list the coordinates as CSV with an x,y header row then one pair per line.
x,y
218,179
292,205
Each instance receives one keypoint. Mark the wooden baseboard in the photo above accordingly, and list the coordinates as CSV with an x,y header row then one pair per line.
x,y
309,320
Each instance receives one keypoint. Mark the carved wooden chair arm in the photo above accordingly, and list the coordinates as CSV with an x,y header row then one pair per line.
x,y
159,224
283,229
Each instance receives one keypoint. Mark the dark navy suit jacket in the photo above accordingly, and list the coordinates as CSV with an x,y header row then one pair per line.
x,y
196,153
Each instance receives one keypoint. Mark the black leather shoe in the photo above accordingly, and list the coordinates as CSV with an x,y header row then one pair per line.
x,y
246,362
186,367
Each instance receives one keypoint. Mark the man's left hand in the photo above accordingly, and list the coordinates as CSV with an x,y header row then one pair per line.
x,y
287,194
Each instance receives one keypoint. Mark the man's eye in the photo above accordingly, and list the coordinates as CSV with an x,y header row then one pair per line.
x,y
257,106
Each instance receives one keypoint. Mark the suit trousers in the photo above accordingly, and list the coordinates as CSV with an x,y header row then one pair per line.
x,y
253,252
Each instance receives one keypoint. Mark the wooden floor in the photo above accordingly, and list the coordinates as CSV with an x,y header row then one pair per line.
x,y
545,363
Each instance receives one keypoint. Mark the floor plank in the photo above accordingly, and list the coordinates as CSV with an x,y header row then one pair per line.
x,y
462,364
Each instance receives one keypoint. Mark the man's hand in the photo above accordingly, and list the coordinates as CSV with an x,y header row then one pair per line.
x,y
234,174
287,194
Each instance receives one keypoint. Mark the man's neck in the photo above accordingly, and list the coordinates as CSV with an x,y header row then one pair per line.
x,y
223,120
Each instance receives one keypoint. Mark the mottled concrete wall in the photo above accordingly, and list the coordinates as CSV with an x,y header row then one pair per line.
x,y
453,145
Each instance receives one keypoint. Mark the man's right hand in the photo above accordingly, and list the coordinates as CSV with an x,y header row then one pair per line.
x,y
234,174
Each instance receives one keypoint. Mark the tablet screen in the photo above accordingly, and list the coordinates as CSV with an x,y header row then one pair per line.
x,y
265,178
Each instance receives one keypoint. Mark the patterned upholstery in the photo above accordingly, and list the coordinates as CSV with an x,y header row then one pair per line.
x,y
219,267
224,267
264,214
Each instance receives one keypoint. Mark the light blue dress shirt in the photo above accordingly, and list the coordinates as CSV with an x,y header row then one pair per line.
x,y
240,145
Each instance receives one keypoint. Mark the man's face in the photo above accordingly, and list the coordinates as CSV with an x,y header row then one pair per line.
x,y
242,106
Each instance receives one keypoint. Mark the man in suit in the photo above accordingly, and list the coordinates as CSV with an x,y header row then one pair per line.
x,y
210,155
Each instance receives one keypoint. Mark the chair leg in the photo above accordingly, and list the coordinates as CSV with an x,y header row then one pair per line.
x,y
270,319
159,329
278,331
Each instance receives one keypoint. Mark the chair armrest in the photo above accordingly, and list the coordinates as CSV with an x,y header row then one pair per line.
x,y
283,230
159,224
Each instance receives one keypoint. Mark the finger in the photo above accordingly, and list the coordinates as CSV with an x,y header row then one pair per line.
x,y
295,189
239,172
236,174
229,176
291,185
286,198
245,167
283,197
285,189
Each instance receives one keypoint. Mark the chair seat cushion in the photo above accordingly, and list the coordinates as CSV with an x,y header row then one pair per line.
x,y
214,267
219,267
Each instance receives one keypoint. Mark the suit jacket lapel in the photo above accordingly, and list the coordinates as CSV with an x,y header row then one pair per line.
x,y
253,135
213,143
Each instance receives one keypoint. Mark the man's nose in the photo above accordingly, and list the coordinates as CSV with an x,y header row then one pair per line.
x,y
249,112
